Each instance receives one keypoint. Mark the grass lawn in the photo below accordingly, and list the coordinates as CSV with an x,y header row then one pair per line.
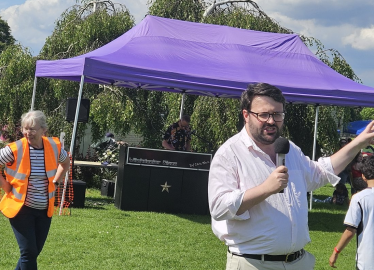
x,y
100,236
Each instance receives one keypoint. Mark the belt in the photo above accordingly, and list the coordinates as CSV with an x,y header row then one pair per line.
x,y
284,258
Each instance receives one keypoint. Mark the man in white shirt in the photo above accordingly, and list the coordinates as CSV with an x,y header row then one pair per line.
x,y
265,229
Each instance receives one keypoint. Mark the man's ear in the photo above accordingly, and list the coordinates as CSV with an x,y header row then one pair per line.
x,y
245,115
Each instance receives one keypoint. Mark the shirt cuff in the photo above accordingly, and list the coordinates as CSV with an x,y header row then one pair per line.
x,y
331,176
235,207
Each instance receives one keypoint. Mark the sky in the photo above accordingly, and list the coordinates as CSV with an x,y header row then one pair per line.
x,y
344,25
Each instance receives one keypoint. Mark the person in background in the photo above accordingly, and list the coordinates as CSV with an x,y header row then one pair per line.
x,y
345,174
359,219
357,182
178,135
262,227
340,195
110,137
34,165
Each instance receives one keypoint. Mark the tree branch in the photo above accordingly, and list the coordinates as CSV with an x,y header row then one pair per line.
x,y
214,5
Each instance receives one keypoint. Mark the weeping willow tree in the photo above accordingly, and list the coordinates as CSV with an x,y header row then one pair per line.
x,y
6,38
79,30
17,67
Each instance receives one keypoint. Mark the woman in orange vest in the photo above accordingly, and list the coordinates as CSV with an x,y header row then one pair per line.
x,y
34,165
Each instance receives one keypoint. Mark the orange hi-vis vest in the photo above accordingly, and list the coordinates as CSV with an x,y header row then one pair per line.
x,y
18,173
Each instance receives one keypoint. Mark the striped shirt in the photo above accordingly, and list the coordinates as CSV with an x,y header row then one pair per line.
x,y
37,190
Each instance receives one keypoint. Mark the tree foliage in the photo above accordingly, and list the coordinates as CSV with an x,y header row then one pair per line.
x,y
191,10
6,37
81,29
17,67
367,113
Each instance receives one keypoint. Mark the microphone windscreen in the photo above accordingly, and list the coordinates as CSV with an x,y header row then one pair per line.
x,y
282,145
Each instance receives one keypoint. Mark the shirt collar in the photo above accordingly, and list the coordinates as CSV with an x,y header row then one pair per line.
x,y
248,141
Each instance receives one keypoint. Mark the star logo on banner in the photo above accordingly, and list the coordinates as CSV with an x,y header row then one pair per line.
x,y
165,187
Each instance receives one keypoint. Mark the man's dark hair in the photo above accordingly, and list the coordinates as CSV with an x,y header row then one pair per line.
x,y
367,167
261,89
186,118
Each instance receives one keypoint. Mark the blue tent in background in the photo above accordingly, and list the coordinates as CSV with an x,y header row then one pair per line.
x,y
360,130
356,127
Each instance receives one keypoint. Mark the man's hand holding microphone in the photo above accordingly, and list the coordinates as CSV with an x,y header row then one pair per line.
x,y
278,179
275,183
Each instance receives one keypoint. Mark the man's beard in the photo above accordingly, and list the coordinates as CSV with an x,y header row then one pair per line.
x,y
259,136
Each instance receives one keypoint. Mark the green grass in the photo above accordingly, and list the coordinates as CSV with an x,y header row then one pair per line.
x,y
100,236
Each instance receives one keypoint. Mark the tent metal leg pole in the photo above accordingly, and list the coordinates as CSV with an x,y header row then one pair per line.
x,y
33,94
182,105
314,150
72,141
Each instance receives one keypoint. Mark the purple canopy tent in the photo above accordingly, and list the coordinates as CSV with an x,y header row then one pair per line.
x,y
204,59
214,60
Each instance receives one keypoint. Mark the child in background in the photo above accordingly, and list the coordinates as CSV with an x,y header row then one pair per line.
x,y
340,195
357,182
359,219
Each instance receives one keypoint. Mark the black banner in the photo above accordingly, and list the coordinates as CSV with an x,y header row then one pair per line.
x,y
169,159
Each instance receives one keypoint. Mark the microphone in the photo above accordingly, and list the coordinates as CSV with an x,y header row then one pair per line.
x,y
282,147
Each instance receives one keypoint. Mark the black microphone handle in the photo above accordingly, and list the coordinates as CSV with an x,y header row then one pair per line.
x,y
280,160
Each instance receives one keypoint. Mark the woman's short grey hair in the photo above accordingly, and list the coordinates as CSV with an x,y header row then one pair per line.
x,y
33,118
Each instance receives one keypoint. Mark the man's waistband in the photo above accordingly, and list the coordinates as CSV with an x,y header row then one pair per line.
x,y
284,258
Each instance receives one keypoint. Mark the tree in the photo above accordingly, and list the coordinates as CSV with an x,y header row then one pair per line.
x,y
6,38
16,82
81,29
367,113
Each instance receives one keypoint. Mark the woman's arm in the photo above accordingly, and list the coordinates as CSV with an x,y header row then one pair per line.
x,y
61,170
4,184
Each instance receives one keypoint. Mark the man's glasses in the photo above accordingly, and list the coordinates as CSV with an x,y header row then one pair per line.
x,y
264,117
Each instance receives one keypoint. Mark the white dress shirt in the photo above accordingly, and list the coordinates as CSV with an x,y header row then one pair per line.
x,y
277,225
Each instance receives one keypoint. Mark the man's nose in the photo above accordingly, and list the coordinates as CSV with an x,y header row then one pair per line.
x,y
271,119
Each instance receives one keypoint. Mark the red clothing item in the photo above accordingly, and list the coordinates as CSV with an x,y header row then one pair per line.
x,y
356,173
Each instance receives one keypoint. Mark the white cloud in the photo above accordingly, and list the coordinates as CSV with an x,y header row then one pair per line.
x,y
32,21
331,36
361,39
138,8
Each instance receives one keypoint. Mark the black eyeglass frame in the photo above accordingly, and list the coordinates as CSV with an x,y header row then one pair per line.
x,y
283,114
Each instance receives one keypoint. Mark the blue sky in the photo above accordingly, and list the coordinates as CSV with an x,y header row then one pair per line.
x,y
345,25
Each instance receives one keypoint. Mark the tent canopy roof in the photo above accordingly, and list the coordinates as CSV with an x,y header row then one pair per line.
x,y
204,59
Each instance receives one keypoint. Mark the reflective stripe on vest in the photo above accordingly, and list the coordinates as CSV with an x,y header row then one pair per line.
x,y
15,173
52,173
16,194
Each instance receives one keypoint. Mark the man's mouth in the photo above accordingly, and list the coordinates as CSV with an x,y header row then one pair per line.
x,y
270,130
